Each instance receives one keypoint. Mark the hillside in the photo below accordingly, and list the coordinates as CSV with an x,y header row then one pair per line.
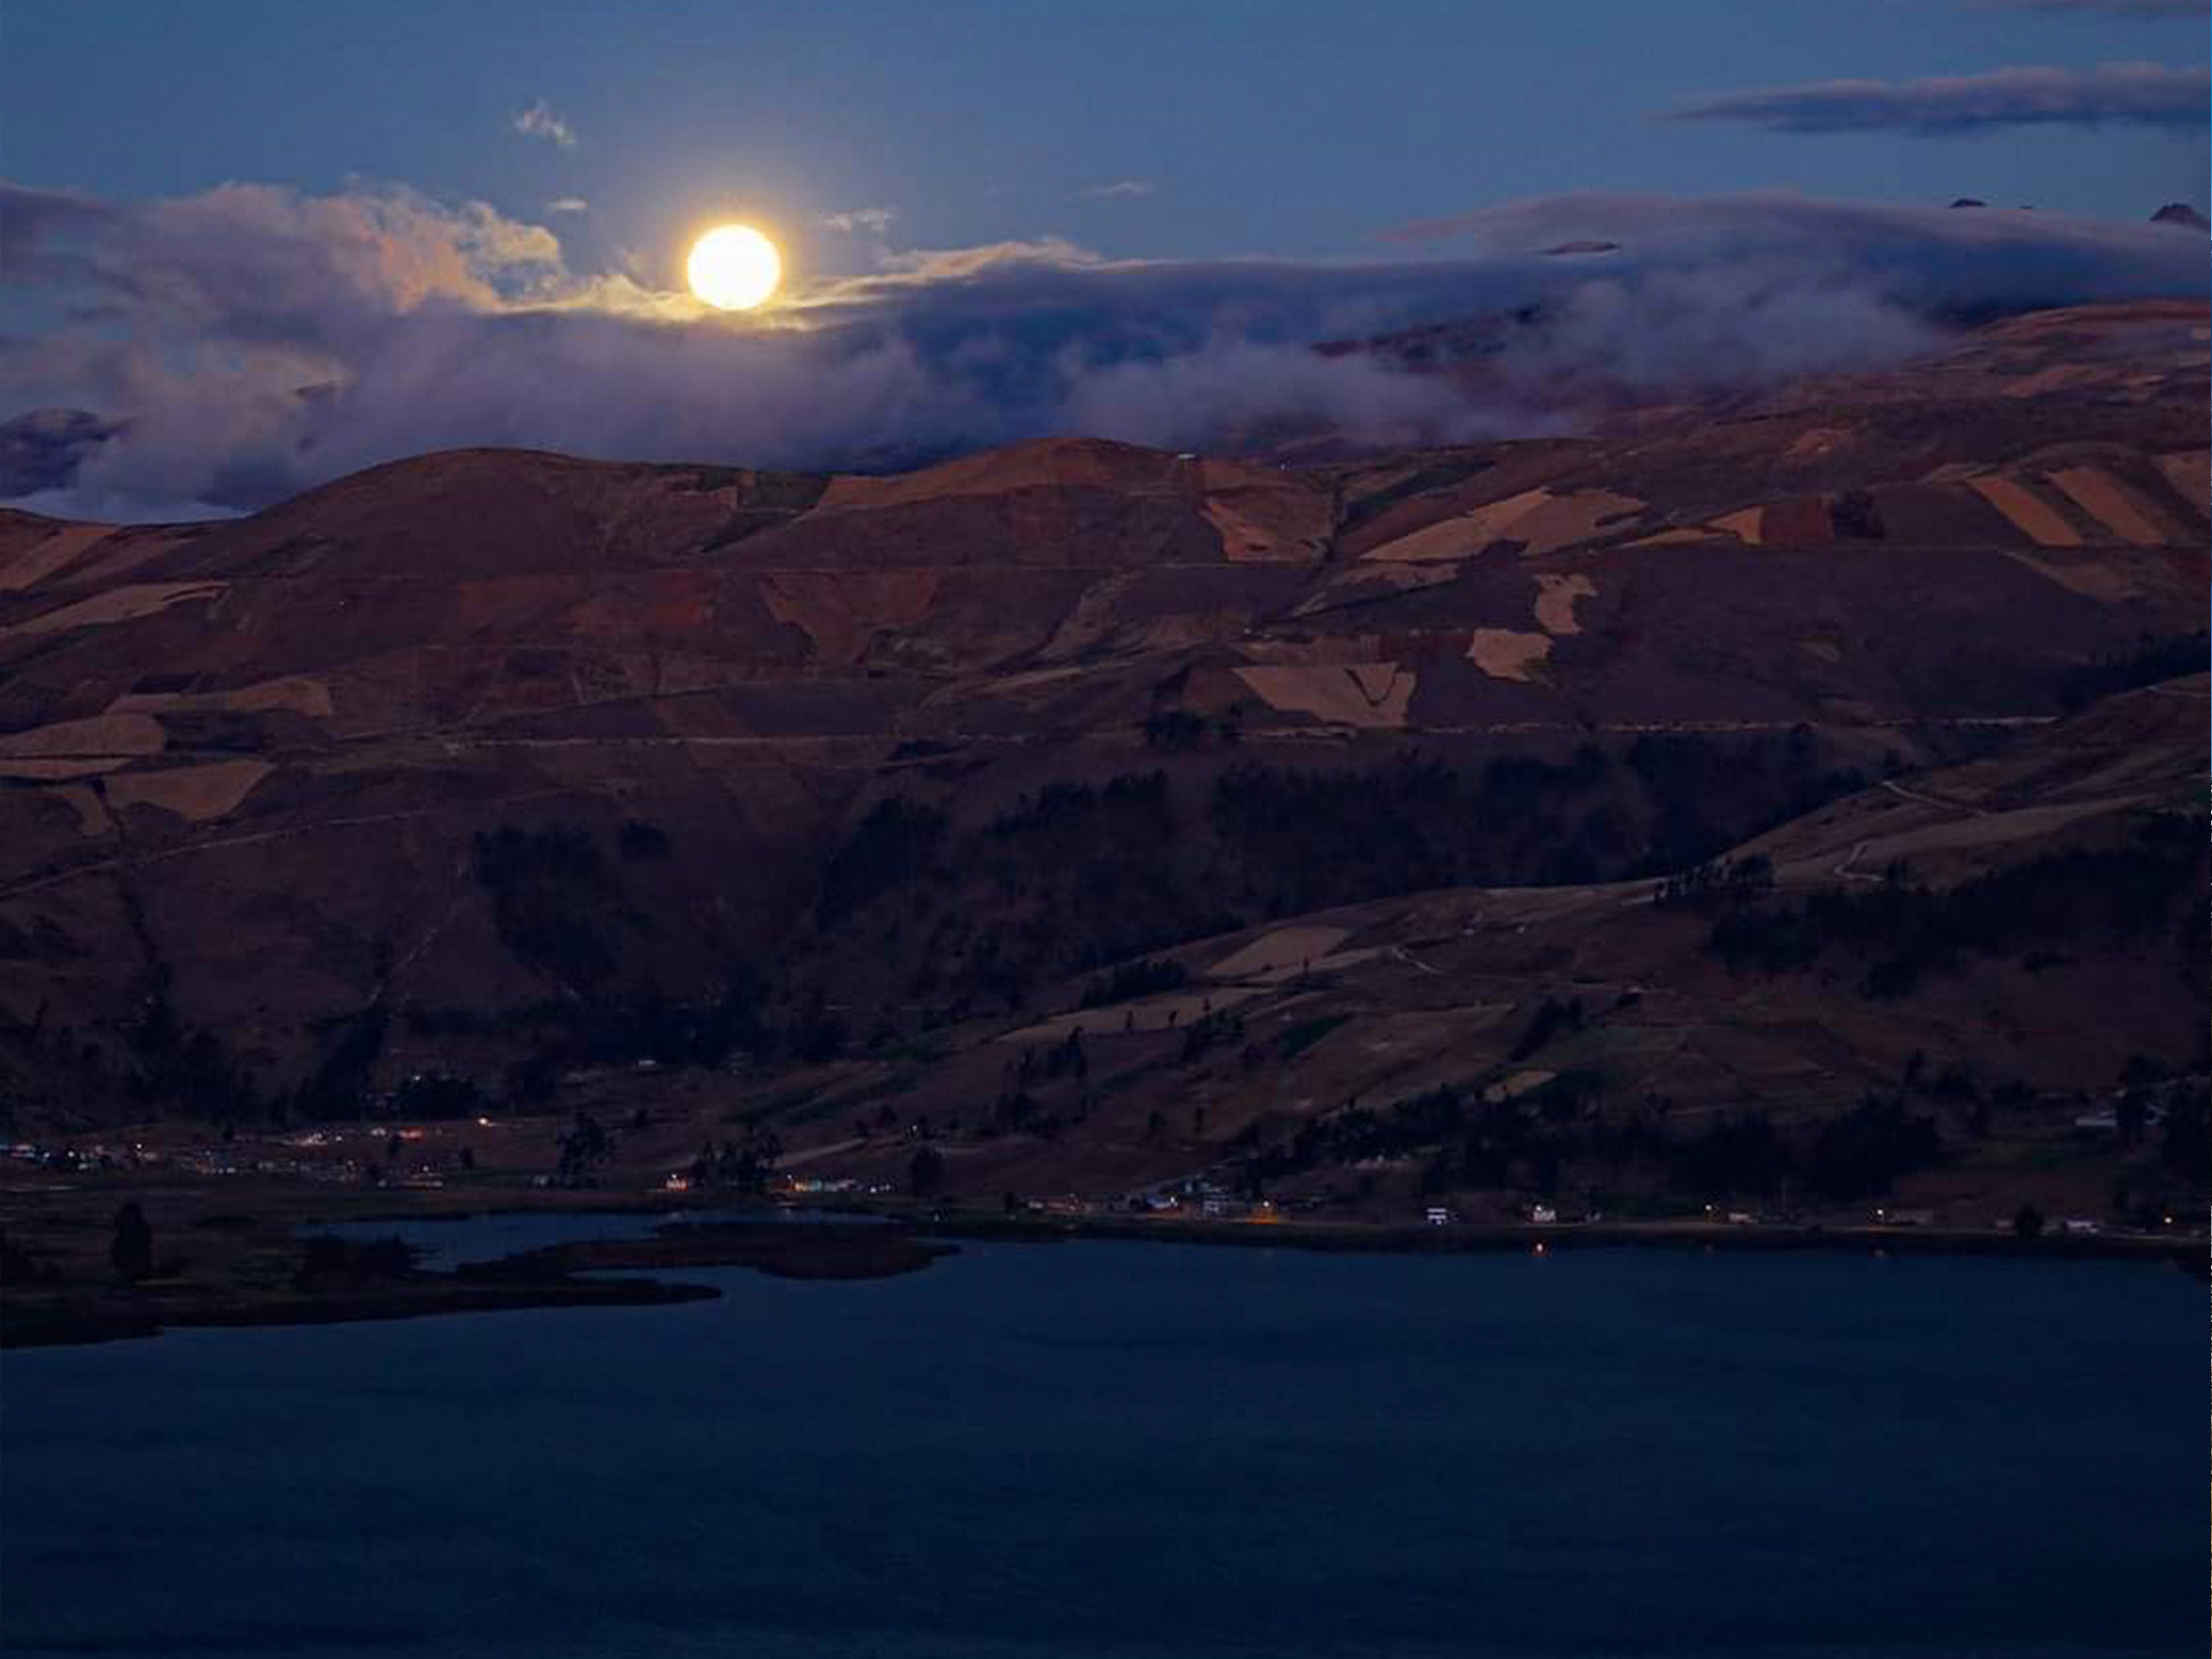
x,y
496,767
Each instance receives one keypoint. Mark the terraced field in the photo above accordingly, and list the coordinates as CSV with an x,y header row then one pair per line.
x,y
492,761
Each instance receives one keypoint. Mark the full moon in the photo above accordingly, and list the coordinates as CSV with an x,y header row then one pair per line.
x,y
734,268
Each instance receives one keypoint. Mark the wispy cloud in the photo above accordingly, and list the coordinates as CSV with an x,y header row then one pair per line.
x,y
2106,8
1118,189
871,221
939,264
568,204
2112,94
239,345
541,120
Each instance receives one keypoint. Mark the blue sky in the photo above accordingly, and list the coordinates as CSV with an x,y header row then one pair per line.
x,y
1290,128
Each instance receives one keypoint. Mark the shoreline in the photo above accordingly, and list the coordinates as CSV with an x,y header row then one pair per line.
x,y
755,1235
572,1273
2187,1252
84,1321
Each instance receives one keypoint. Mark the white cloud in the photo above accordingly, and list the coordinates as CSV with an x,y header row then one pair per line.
x,y
542,121
568,204
1118,189
872,221
249,341
936,264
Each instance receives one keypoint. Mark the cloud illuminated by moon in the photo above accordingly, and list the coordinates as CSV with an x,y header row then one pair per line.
x,y
734,268
249,341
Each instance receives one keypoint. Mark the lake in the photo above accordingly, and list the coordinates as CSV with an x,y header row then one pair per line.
x,y
1121,1449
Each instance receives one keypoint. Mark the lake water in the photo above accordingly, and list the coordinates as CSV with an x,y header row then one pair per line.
x,y
1120,1450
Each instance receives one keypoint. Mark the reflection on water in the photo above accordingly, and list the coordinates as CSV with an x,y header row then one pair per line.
x,y
1138,1449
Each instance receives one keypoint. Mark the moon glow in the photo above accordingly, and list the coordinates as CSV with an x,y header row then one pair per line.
x,y
734,268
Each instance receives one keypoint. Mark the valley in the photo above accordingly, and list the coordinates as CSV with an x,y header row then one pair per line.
x,y
1789,805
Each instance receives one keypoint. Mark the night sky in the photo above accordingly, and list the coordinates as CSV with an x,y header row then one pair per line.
x,y
214,209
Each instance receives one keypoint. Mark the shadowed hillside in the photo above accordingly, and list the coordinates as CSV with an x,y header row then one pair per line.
x,y
492,767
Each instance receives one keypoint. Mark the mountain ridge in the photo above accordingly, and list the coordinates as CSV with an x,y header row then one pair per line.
x,y
491,760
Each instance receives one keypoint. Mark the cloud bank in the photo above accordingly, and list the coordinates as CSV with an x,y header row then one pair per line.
x,y
239,345
2112,94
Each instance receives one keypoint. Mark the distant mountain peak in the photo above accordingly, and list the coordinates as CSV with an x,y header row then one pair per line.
x,y
2184,215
